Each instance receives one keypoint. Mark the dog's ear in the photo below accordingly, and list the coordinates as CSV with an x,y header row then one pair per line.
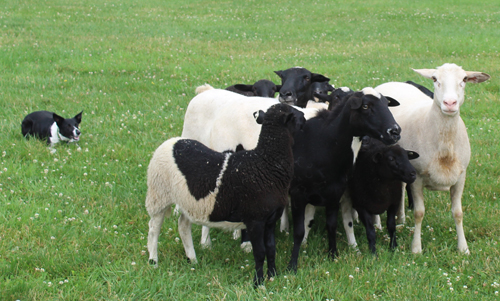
x,y
58,119
78,117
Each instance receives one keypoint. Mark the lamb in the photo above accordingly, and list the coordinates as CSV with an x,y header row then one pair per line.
x,y
263,88
296,85
222,120
375,185
434,129
246,189
324,152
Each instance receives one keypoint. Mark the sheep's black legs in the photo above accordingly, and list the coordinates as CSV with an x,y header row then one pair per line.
x,y
391,225
270,243
298,234
367,220
256,232
331,227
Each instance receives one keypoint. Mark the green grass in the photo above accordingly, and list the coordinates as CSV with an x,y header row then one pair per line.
x,y
73,224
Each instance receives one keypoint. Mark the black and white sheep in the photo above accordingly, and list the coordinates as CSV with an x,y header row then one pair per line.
x,y
324,152
246,189
434,129
375,185
263,88
296,85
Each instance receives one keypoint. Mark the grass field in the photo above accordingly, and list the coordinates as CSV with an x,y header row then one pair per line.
x,y
73,224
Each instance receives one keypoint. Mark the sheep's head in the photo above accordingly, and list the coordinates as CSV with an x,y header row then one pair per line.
x,y
296,85
449,85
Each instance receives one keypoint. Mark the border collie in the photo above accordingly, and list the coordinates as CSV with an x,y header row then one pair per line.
x,y
52,127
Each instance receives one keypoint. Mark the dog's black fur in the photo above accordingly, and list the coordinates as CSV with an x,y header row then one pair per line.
x,y
51,127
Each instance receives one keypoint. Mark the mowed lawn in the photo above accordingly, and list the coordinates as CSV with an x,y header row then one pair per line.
x,y
73,224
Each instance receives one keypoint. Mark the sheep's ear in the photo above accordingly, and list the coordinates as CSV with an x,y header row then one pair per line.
x,y
392,101
476,77
356,101
377,157
330,88
412,155
278,88
315,77
280,73
58,119
259,116
428,73
246,88
78,117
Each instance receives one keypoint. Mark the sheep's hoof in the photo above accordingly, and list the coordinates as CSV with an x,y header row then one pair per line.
x,y
153,262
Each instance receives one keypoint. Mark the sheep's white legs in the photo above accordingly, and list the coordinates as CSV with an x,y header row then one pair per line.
x,y
285,222
205,242
376,221
417,190
347,218
184,227
456,209
154,232
308,217
401,215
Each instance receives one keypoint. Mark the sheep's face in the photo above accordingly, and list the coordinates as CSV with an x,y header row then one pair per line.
x,y
449,85
296,85
370,116
264,88
393,163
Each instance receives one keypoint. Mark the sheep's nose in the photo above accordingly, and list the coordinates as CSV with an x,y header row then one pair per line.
x,y
77,132
395,132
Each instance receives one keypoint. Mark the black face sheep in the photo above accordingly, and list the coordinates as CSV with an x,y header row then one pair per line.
x,y
263,88
296,85
246,189
324,152
375,186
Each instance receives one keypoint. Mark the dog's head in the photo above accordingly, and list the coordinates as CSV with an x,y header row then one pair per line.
x,y
68,128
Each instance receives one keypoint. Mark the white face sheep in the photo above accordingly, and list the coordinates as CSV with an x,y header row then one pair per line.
x,y
434,129
226,190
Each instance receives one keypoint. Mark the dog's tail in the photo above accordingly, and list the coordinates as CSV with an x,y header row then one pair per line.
x,y
203,88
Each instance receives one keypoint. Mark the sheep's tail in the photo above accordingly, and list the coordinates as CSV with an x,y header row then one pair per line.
x,y
203,88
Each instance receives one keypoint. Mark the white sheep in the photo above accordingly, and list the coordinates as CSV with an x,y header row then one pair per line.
x,y
434,129
246,189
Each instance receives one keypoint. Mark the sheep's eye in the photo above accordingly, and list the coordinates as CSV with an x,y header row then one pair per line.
x,y
365,107
434,79
465,79
307,78
391,158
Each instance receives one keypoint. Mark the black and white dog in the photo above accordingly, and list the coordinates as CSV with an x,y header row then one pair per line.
x,y
52,127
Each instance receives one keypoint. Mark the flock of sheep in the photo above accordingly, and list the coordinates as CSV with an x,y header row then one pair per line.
x,y
245,157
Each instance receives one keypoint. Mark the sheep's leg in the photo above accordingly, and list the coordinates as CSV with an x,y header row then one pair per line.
x,y
367,220
246,245
417,190
184,226
285,222
205,242
391,225
256,232
401,215
347,219
456,209
154,232
270,244
308,220
332,211
298,234
376,221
